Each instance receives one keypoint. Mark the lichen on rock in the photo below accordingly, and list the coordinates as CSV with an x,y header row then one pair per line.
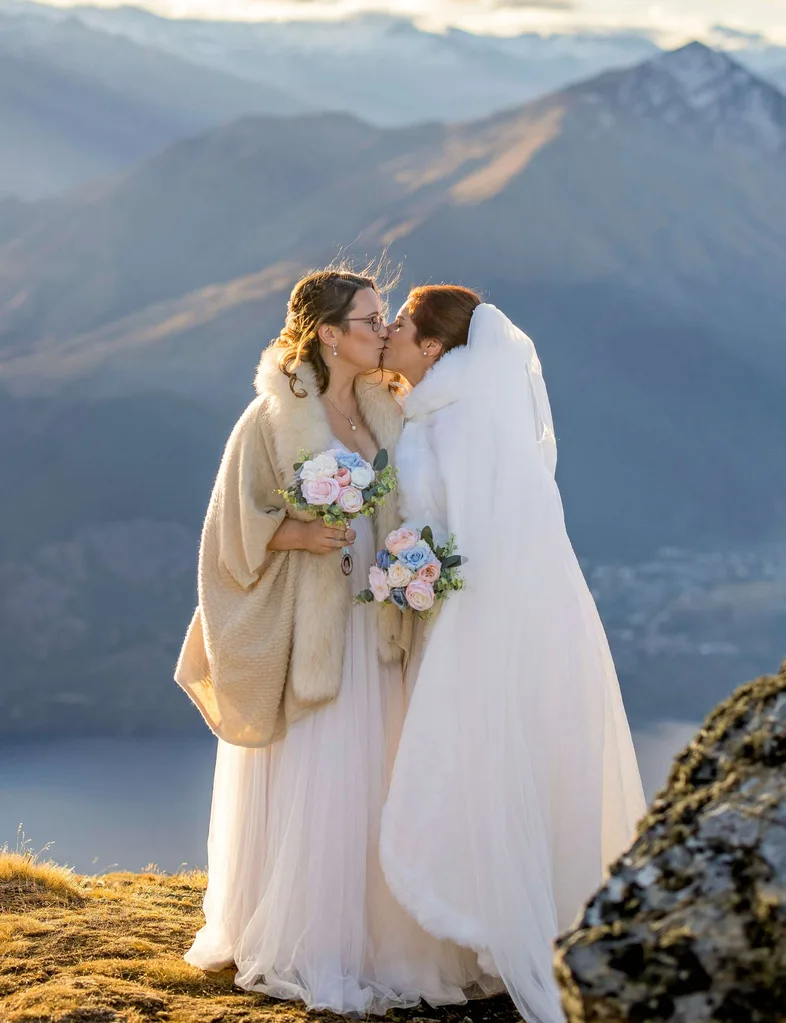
x,y
691,924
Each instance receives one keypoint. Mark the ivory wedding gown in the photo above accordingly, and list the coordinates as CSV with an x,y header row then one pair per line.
x,y
296,896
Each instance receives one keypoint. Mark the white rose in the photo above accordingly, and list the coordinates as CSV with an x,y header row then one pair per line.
x,y
363,476
398,575
322,467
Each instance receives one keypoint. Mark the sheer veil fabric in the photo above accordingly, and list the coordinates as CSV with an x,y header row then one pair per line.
x,y
515,783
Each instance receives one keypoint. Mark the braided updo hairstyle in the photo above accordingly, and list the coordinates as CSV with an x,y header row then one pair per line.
x,y
324,296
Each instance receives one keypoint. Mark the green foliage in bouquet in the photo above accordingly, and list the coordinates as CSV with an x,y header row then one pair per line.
x,y
419,575
373,494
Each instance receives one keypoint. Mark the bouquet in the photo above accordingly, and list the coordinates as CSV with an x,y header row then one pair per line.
x,y
413,572
339,485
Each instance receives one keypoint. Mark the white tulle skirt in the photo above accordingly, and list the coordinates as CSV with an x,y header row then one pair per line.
x,y
296,895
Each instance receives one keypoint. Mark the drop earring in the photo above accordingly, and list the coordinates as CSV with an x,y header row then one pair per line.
x,y
335,349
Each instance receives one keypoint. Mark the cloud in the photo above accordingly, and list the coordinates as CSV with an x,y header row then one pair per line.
x,y
735,33
538,5
533,5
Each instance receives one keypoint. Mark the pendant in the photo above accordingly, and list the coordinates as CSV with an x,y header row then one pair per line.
x,y
352,425
346,561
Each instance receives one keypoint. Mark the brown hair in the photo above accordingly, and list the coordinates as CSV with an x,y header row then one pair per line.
x,y
324,296
443,311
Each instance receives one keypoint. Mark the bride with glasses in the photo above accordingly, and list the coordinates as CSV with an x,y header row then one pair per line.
x,y
305,691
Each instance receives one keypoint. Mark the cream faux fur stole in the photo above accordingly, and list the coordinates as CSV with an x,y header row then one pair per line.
x,y
301,424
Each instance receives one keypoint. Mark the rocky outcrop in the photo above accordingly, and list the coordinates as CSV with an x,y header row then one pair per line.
x,y
691,924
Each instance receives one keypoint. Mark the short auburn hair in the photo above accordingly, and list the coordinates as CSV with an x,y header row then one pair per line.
x,y
443,311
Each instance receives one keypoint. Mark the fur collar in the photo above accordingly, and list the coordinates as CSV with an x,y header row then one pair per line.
x,y
446,382
301,424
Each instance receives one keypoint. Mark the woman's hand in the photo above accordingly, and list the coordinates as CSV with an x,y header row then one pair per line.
x,y
320,538
315,537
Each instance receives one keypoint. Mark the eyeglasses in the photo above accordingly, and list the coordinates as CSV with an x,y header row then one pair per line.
x,y
374,321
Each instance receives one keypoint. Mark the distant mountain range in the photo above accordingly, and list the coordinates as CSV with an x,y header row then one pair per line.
x,y
86,91
386,69
379,67
634,224
77,103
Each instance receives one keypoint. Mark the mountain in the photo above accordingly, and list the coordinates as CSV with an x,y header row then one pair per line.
x,y
76,104
391,71
635,225
778,76
704,94
381,68
754,50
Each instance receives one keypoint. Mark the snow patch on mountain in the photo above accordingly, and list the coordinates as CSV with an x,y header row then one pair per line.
x,y
702,91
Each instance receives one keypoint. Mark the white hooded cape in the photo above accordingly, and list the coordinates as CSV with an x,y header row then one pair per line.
x,y
516,783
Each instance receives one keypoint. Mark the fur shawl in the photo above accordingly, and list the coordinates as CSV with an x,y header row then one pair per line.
x,y
266,643
422,499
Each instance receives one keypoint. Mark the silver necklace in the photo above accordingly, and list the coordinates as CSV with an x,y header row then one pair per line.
x,y
349,419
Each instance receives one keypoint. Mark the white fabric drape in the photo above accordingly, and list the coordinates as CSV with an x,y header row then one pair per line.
x,y
515,782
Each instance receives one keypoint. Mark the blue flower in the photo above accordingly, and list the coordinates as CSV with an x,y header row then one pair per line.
x,y
383,560
416,557
399,599
350,460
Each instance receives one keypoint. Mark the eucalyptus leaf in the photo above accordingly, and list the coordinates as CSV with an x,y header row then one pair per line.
x,y
381,461
427,534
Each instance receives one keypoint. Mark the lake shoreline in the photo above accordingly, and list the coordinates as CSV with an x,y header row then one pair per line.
x,y
105,804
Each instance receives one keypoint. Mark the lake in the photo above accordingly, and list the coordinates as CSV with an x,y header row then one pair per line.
x,y
109,804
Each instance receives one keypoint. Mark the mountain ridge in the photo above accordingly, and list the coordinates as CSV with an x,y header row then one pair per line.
x,y
77,104
703,91
643,260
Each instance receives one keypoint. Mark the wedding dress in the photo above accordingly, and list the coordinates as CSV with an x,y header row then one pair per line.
x,y
296,897
515,784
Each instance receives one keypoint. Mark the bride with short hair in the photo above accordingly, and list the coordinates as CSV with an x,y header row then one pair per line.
x,y
515,783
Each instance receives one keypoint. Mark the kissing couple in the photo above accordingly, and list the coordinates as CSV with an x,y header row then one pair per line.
x,y
403,809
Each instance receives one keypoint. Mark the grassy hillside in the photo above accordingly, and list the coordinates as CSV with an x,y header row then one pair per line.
x,y
109,950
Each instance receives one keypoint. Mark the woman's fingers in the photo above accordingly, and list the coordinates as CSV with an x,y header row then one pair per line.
x,y
336,537
342,534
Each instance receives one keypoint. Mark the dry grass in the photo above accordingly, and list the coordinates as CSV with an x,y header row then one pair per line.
x,y
109,950
27,882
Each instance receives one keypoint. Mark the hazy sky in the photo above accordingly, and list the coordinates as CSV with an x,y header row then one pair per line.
x,y
682,17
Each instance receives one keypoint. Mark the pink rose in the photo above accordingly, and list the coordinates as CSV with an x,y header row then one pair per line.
x,y
420,595
378,583
429,573
401,540
350,500
321,491
343,477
